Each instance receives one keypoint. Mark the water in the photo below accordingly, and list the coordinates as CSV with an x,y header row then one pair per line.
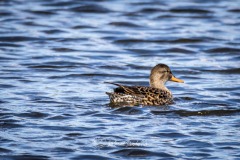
x,y
55,56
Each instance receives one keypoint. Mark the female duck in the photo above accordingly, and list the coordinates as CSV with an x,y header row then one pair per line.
x,y
156,94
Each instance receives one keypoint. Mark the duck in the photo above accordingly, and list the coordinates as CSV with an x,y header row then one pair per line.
x,y
156,94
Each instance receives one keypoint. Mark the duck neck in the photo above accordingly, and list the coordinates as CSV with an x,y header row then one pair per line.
x,y
156,83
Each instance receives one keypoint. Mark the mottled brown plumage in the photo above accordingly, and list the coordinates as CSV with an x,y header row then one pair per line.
x,y
156,94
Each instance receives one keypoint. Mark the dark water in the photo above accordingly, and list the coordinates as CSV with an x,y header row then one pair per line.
x,y
56,54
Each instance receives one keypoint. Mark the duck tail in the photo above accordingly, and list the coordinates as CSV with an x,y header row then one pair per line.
x,y
116,84
122,88
109,93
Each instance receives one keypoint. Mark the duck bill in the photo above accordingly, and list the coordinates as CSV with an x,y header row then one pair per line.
x,y
174,79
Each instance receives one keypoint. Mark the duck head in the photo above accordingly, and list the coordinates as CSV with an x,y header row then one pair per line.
x,y
160,74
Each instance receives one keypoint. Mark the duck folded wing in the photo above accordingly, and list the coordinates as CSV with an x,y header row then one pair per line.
x,y
139,91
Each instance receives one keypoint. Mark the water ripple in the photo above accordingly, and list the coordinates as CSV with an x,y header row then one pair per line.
x,y
200,113
90,9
